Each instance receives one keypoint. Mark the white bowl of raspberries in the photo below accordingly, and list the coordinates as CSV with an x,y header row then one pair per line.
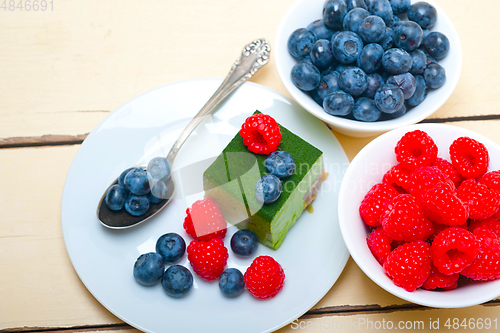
x,y
368,66
419,210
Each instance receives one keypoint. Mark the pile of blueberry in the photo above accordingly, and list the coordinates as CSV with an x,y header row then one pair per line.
x,y
137,188
279,164
363,60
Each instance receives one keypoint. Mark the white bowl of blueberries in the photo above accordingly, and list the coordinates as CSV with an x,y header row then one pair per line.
x,y
368,66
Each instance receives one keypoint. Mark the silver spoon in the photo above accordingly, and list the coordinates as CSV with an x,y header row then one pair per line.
x,y
253,57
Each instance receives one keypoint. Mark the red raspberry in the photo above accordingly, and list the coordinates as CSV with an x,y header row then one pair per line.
x,y
416,149
264,278
374,203
403,220
439,280
441,205
204,221
261,134
449,170
469,157
379,244
208,259
409,265
440,227
492,224
453,249
482,201
492,181
398,177
487,264
424,179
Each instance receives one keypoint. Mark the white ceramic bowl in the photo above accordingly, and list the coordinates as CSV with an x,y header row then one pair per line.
x,y
303,12
367,169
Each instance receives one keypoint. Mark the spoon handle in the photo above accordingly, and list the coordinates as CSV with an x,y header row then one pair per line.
x,y
253,57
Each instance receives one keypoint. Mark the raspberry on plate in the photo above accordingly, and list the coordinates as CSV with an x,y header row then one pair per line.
x,y
483,202
261,134
208,259
416,149
469,157
205,221
453,249
487,264
492,224
449,170
379,244
441,205
409,265
265,277
439,280
492,181
374,203
403,220
398,177
424,179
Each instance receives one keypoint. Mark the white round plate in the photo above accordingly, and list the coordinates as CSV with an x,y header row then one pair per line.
x,y
313,254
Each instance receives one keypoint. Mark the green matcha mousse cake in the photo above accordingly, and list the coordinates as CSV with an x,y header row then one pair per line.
x,y
230,181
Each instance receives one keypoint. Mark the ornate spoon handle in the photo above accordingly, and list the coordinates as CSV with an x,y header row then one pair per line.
x,y
253,57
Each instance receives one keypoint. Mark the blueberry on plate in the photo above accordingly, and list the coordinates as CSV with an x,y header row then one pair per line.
x,y
116,196
408,36
388,41
121,179
354,18
244,243
372,29
370,58
353,81
366,110
346,47
419,62
158,192
420,92
300,42
137,182
333,13
316,97
437,45
396,61
136,205
280,163
177,281
171,247
319,29
231,282
268,189
400,6
435,76
338,103
381,8
423,13
328,84
159,169
375,81
321,54
148,268
351,4
305,76
389,98
406,82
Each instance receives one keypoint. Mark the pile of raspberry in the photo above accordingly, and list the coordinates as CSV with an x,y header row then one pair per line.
x,y
434,221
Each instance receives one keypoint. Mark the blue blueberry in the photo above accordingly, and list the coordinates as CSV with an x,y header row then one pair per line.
x,y
366,110
329,83
148,268
388,41
375,81
351,4
426,32
388,116
116,196
435,76
423,13
408,36
354,18
372,29
430,60
177,281
370,58
420,92
381,8
396,61
353,81
316,97
244,243
437,45
395,21
329,70
158,192
419,62
137,182
347,47
159,169
280,163
400,6
153,199
389,98
321,54
136,205
231,282
305,76
171,247
338,103
333,13
306,58
268,189
340,68
121,179
319,29
406,82
300,42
